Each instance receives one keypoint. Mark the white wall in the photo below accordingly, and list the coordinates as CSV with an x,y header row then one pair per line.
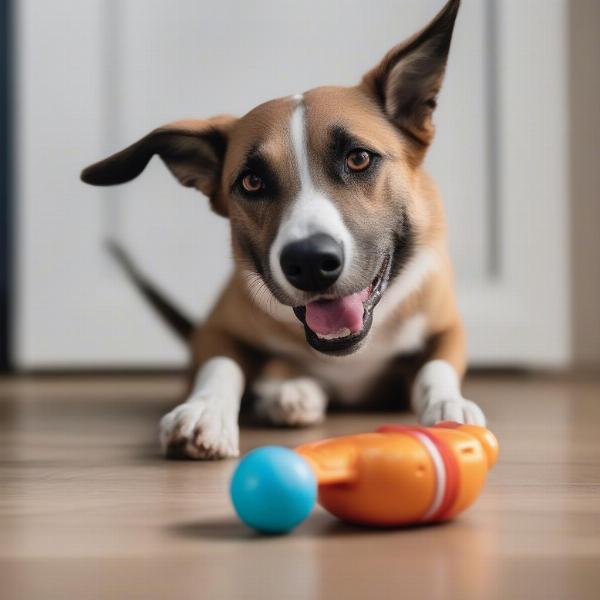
x,y
96,75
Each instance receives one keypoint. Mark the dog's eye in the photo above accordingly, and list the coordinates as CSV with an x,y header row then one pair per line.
x,y
252,183
358,160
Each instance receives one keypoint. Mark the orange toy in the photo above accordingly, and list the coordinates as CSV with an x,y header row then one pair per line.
x,y
402,474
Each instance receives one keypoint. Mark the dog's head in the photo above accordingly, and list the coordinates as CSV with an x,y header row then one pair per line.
x,y
322,189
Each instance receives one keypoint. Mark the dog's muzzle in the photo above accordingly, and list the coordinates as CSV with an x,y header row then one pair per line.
x,y
339,325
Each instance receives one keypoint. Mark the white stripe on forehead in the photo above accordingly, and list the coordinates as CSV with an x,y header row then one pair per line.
x,y
311,211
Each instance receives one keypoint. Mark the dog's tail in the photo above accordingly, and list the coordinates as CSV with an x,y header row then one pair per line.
x,y
177,320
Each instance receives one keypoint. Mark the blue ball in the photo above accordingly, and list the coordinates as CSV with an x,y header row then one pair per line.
x,y
273,489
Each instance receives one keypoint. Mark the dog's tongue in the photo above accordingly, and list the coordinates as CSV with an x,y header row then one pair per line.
x,y
327,317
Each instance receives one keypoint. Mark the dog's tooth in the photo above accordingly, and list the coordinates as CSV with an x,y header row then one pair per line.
x,y
341,333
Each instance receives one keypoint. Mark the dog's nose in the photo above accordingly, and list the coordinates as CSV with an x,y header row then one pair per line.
x,y
313,263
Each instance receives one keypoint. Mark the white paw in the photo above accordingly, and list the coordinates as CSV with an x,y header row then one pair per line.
x,y
202,428
295,402
454,409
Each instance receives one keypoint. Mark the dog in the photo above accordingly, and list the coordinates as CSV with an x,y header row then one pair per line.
x,y
342,289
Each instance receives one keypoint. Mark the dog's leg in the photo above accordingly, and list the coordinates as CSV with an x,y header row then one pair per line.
x,y
206,425
436,390
285,396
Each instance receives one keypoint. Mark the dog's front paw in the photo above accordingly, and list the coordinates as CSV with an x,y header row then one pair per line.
x,y
294,403
200,429
454,409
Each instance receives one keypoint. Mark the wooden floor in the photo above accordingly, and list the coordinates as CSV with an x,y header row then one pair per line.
x,y
88,509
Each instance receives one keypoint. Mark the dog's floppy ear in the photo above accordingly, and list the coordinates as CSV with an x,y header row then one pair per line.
x,y
407,81
193,150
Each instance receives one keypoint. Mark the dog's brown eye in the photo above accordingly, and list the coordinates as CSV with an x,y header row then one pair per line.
x,y
252,183
358,160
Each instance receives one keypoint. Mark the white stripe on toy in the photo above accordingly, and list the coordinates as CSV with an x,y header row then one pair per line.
x,y
440,475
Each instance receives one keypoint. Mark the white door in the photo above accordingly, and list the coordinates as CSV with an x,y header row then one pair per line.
x,y
95,75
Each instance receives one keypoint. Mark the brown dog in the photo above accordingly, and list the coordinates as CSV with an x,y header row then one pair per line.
x,y
342,281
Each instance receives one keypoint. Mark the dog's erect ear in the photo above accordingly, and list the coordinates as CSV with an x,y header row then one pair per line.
x,y
406,82
193,150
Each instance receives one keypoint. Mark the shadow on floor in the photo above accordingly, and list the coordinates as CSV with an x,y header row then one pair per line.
x,y
318,525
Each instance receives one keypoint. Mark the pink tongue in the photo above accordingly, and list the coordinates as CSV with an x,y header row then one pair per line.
x,y
326,317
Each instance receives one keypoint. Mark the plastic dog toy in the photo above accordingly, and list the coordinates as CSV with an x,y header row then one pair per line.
x,y
273,489
401,474
398,475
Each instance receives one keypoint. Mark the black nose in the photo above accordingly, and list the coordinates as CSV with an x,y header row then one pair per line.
x,y
313,263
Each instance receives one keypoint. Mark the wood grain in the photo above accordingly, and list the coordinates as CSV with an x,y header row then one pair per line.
x,y
89,509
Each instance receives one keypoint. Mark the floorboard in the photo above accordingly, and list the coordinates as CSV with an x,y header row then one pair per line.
x,y
88,508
